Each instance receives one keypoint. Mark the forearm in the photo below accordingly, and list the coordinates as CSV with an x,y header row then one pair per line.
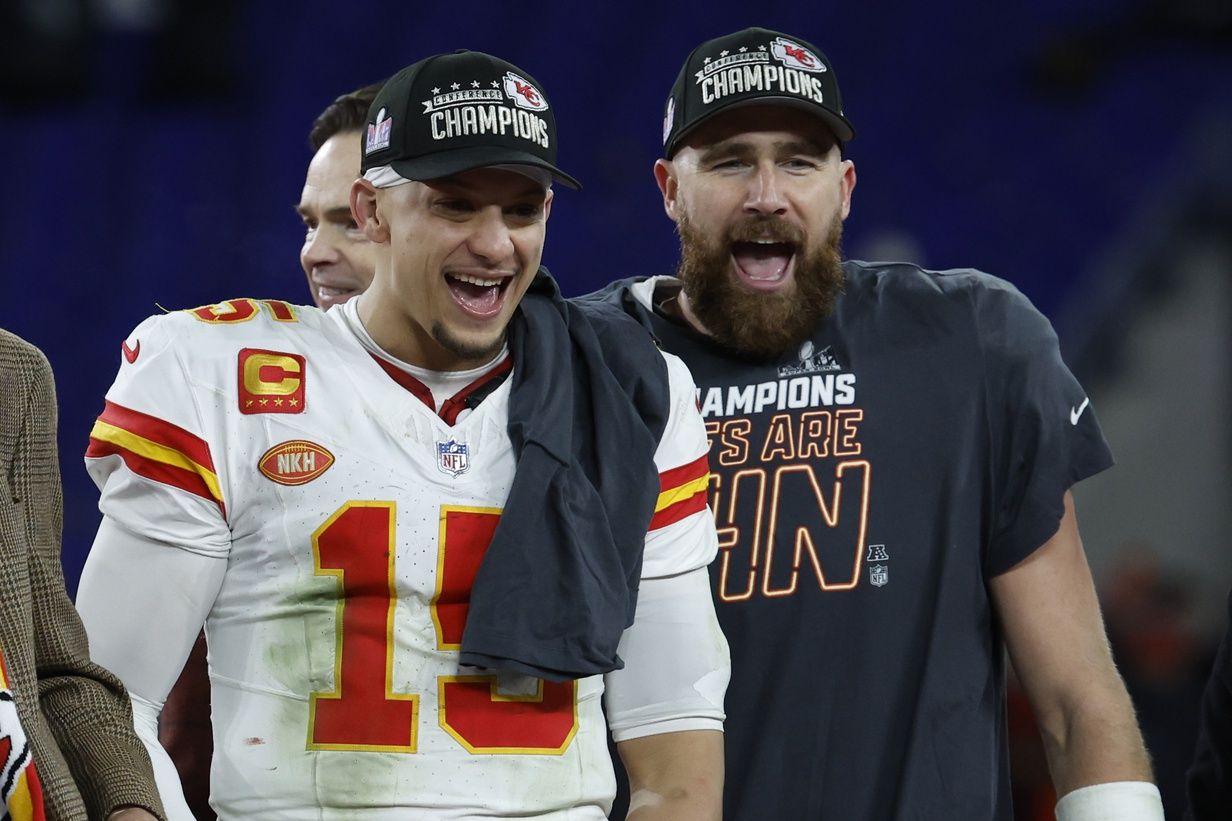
x,y
1096,741
1056,640
166,777
675,776
143,604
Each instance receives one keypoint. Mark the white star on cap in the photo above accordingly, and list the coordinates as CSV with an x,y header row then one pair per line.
x,y
743,49
454,86
495,84
724,53
474,84
436,91
761,48
707,60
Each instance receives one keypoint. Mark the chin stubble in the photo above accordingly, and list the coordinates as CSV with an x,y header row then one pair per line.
x,y
463,350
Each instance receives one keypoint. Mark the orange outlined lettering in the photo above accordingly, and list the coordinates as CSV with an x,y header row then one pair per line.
x,y
847,428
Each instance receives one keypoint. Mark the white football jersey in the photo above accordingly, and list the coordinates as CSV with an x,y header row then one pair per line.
x,y
353,519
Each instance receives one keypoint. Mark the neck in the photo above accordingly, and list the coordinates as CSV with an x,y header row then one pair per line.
x,y
397,334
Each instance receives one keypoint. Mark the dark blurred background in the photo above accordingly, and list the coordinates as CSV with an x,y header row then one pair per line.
x,y
1082,149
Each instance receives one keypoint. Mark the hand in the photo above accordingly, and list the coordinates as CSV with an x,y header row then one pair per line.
x,y
131,814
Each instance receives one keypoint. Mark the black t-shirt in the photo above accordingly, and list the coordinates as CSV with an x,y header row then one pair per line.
x,y
866,486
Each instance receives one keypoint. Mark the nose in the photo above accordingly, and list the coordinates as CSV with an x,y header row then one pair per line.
x,y
765,195
319,249
490,239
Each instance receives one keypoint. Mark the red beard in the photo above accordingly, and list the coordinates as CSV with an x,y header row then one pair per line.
x,y
760,325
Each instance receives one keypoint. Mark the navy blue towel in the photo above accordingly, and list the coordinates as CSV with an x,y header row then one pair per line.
x,y
588,405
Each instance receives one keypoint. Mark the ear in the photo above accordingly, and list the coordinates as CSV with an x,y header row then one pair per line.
x,y
847,184
547,204
665,176
364,211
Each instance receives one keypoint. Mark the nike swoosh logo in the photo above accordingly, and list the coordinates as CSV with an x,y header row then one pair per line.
x,y
132,353
1075,414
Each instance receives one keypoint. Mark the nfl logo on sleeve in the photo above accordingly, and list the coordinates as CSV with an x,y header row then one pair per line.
x,y
453,457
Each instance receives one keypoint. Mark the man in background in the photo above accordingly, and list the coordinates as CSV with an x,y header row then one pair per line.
x,y
337,258
892,451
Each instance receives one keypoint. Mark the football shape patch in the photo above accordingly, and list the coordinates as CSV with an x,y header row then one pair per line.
x,y
296,462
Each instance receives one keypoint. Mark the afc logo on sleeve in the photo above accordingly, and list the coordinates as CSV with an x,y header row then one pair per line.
x,y
271,381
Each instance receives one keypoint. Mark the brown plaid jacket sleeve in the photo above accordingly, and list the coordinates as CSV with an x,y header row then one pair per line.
x,y
76,714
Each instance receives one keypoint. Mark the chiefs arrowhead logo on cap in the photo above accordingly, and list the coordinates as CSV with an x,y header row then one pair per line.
x,y
523,93
794,55
296,462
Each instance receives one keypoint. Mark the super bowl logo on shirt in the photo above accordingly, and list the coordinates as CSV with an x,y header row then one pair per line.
x,y
378,133
811,361
453,457
523,93
794,55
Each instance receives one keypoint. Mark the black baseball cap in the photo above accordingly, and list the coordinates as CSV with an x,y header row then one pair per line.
x,y
453,112
751,67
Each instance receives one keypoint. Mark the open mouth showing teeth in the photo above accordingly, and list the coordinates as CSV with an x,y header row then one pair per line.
x,y
336,293
478,296
762,261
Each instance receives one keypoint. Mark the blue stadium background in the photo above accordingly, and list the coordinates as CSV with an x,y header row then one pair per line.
x,y
155,163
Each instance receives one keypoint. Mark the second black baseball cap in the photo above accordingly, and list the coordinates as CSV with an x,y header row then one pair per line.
x,y
453,112
750,67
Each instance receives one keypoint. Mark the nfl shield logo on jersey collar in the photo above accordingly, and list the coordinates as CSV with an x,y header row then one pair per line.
x,y
453,457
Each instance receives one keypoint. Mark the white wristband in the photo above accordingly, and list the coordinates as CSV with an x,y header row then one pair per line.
x,y
1114,801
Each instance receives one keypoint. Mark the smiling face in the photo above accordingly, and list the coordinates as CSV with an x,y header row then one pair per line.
x,y
337,258
758,195
457,255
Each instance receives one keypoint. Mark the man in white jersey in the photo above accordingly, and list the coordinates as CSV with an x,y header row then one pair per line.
x,y
413,607
338,262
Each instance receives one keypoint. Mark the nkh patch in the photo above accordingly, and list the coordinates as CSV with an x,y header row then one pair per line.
x,y
271,381
453,457
296,462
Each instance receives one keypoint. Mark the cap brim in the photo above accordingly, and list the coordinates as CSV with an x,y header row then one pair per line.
x,y
448,163
840,127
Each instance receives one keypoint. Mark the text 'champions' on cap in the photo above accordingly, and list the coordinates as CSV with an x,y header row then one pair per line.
x,y
755,66
454,112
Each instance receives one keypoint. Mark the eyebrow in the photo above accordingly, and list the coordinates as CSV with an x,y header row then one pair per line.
x,y
735,147
341,213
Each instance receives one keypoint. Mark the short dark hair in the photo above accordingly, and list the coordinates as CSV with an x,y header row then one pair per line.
x,y
347,113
